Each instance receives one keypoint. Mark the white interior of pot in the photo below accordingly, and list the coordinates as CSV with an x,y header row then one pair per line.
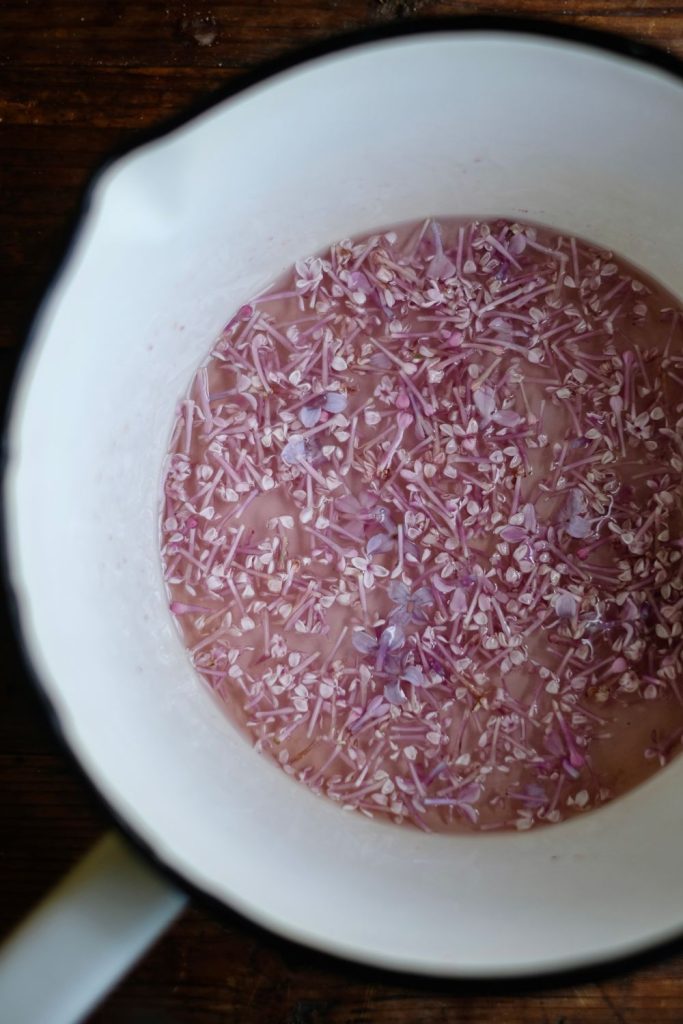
x,y
182,232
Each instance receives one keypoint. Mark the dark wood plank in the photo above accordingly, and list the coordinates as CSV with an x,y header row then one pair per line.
x,y
79,80
162,33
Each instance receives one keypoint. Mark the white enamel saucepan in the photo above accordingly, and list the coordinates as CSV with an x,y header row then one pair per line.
x,y
178,234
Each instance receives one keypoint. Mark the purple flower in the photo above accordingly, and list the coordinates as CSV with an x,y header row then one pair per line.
x,y
309,274
357,506
515,533
465,797
414,675
484,399
391,639
410,607
376,709
358,285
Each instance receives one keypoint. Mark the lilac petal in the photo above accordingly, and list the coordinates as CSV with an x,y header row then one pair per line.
x,y
578,527
394,694
357,725
380,542
379,361
348,503
423,597
500,324
440,267
513,534
294,450
375,706
392,637
553,743
398,592
565,605
310,414
393,664
355,526
375,709
530,522
575,504
335,401
443,586
517,244
576,758
469,794
375,543
469,812
359,282
485,402
356,719
506,418
411,549
458,602
382,515
363,642
400,616
414,675
367,499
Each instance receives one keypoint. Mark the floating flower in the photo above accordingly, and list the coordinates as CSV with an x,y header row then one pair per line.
x,y
309,275
391,639
357,506
484,399
410,607
393,692
368,570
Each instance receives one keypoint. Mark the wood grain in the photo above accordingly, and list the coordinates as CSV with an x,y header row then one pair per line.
x,y
78,81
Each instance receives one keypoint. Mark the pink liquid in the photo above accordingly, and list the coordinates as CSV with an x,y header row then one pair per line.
x,y
422,528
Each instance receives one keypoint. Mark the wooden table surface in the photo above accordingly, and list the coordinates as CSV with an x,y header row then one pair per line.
x,y
79,80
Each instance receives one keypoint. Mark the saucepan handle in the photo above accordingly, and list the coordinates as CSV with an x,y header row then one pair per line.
x,y
84,936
